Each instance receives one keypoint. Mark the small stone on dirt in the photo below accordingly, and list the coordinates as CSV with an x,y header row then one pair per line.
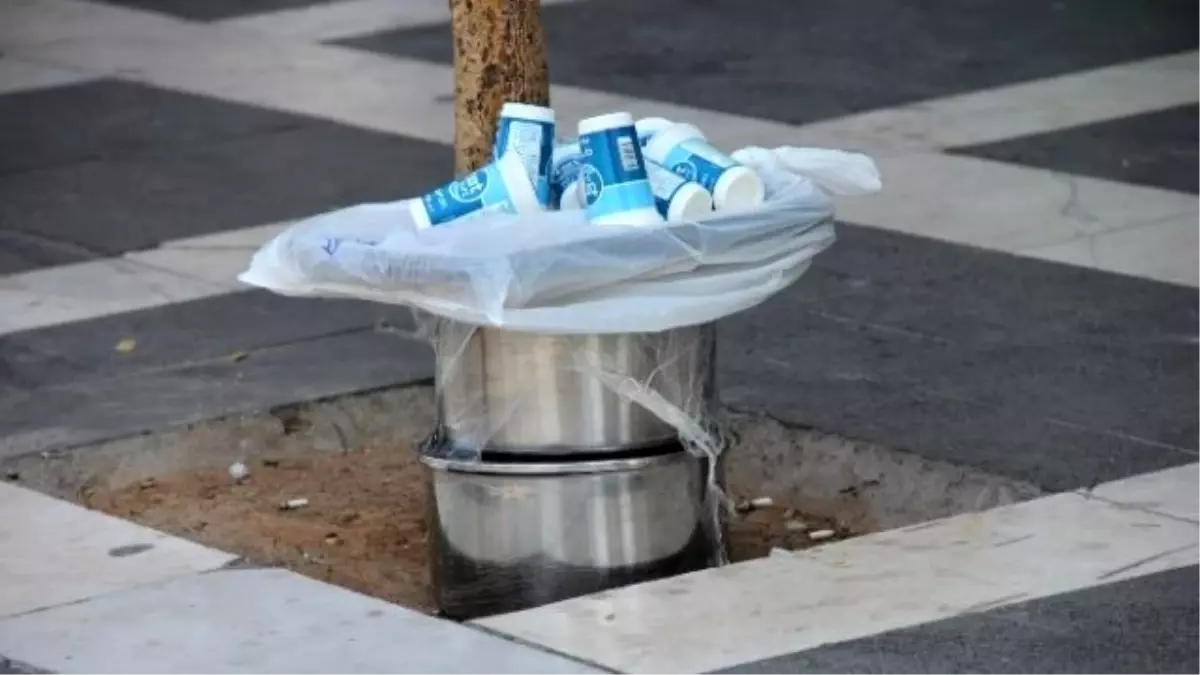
x,y
820,535
293,504
12,474
239,472
795,525
762,502
147,483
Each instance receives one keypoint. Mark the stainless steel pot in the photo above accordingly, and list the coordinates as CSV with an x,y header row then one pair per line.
x,y
557,394
506,536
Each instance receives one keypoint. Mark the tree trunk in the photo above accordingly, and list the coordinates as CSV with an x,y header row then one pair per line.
x,y
499,55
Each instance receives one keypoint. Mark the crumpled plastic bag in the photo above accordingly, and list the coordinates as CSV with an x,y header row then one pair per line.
x,y
553,272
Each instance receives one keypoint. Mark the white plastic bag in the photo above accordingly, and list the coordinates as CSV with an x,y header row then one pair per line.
x,y
553,272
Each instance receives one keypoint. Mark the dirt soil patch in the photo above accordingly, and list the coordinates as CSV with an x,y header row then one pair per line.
x,y
363,526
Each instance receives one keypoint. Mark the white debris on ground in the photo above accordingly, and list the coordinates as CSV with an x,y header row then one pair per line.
x,y
819,535
239,472
293,504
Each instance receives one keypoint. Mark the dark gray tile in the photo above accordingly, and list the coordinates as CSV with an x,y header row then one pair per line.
x,y
145,168
211,10
1144,625
854,380
960,292
227,326
1156,149
1084,347
95,410
23,251
802,61
43,128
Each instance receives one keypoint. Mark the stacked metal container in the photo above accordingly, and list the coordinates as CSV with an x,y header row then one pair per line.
x,y
550,478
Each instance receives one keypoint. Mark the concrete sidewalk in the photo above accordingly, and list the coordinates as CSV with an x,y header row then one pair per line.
x,y
1021,301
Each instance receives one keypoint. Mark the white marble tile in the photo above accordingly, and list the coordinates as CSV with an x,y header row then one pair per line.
x,y
337,83
217,258
1028,107
55,295
1164,250
258,621
785,603
1002,206
17,76
241,238
215,265
53,552
1174,492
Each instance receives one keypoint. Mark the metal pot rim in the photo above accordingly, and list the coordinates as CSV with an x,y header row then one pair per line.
x,y
560,468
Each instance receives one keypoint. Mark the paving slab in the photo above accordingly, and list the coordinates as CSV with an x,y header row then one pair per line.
x,y
152,165
800,62
1156,149
24,251
259,621
791,602
1145,625
1055,375
55,552
1172,492
232,326
93,410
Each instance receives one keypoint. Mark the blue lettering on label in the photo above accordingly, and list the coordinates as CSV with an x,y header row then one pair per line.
x,y
469,188
475,194
685,170
614,173
593,184
534,142
698,161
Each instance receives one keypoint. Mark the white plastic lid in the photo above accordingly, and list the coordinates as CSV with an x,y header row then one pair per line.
x,y
616,120
570,199
416,208
691,201
661,142
518,183
527,111
738,188
648,126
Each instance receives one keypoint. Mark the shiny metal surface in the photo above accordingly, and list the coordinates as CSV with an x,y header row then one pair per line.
x,y
504,541
540,393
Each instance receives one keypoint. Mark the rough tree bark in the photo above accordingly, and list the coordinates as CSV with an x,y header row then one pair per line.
x,y
499,55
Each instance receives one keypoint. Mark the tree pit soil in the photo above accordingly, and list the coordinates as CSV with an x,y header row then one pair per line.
x,y
364,525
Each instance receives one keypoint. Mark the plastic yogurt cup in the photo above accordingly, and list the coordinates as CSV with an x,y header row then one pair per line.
x,y
502,186
565,165
675,198
615,190
528,130
683,149
648,126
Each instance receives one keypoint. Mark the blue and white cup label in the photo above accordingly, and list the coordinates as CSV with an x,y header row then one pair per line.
x,y
534,142
664,185
565,172
614,174
472,195
699,162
